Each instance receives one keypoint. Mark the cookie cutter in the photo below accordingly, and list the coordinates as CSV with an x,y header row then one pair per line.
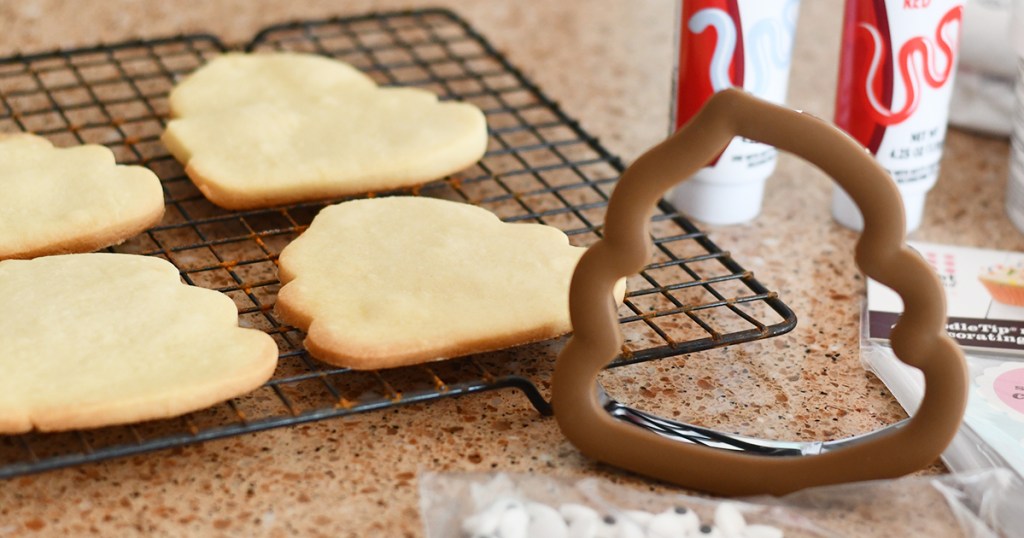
x,y
723,463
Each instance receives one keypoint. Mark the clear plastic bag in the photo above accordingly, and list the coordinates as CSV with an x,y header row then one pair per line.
x,y
981,504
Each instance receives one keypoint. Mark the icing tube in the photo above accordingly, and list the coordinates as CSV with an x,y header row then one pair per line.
x,y
896,73
722,44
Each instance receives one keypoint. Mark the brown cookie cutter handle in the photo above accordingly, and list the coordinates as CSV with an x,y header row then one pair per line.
x,y
719,462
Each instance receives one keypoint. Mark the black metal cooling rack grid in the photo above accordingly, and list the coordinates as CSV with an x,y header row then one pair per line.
x,y
540,167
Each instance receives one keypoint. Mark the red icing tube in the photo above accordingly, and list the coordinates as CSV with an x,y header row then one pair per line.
x,y
895,82
723,44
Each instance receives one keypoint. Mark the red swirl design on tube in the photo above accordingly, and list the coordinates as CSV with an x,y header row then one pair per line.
x,y
910,71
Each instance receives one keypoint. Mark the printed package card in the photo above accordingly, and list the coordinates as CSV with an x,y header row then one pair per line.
x,y
985,315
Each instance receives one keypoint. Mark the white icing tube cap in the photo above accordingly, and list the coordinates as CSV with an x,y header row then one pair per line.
x,y
846,213
715,202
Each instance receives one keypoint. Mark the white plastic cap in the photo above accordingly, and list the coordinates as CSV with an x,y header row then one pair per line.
x,y
846,212
913,207
718,203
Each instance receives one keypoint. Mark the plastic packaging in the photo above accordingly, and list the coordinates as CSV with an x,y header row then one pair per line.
x,y
895,82
1015,186
983,89
722,44
984,316
982,504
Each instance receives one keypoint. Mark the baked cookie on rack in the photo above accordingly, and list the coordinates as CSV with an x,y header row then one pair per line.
x,y
99,339
259,130
386,282
77,199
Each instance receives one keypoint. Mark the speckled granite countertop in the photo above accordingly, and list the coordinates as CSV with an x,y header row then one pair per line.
x,y
607,62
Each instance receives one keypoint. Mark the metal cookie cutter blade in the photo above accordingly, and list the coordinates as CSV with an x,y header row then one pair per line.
x,y
728,464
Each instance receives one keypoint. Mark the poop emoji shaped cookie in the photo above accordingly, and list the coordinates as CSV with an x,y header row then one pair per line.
x,y
60,200
386,282
258,130
98,339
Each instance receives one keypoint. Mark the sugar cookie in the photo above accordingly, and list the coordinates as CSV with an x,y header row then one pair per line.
x,y
269,129
98,339
77,199
386,282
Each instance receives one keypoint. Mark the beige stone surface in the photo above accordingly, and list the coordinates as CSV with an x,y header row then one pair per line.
x,y
607,63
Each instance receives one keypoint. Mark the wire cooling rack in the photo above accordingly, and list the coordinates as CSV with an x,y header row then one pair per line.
x,y
540,166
